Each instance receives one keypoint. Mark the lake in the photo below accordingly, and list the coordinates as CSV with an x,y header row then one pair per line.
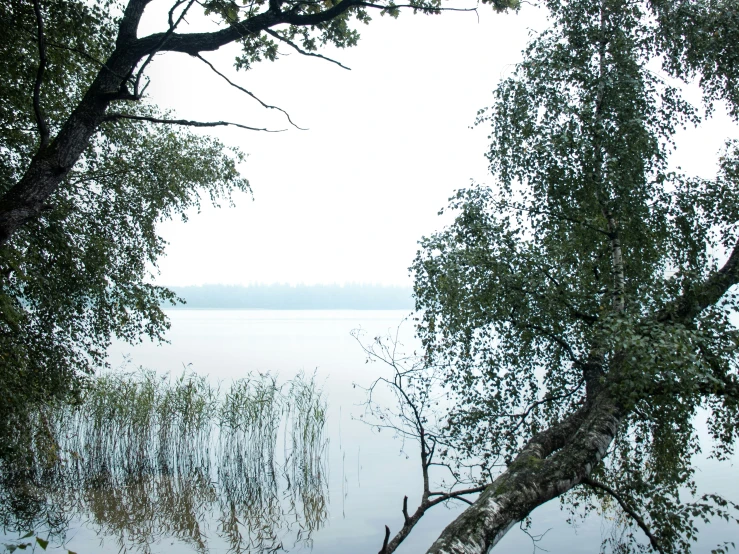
x,y
367,472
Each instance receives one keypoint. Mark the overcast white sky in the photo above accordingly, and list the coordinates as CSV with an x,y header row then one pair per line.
x,y
388,143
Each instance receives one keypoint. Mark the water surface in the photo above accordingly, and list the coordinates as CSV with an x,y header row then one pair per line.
x,y
367,473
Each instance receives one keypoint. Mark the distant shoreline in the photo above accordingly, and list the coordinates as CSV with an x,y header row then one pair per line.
x,y
287,297
184,307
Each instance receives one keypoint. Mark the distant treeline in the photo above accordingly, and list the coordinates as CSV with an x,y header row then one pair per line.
x,y
300,297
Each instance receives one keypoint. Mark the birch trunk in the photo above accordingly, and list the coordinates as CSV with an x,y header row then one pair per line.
x,y
552,463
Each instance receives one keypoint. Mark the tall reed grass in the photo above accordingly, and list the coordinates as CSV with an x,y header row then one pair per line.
x,y
145,456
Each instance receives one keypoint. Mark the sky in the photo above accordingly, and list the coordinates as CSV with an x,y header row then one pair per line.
x,y
387,143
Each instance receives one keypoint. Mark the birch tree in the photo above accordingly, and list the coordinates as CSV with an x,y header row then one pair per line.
x,y
582,307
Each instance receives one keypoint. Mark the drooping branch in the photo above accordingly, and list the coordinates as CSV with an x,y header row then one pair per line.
x,y
43,128
626,508
249,93
298,49
186,122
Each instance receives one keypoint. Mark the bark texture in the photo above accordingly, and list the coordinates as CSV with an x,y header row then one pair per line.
x,y
552,463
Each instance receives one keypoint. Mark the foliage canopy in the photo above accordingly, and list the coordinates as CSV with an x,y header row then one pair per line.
x,y
89,168
583,307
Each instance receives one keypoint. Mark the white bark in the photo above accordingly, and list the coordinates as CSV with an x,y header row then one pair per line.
x,y
552,463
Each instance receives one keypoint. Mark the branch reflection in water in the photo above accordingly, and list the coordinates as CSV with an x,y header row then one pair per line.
x,y
145,457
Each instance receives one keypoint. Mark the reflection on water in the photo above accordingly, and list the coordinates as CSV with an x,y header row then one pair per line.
x,y
146,459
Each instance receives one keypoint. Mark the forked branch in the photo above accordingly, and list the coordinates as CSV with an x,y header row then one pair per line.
x,y
412,385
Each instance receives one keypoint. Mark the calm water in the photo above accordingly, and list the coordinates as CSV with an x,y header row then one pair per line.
x,y
368,472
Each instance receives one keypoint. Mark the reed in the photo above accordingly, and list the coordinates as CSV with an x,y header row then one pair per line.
x,y
146,456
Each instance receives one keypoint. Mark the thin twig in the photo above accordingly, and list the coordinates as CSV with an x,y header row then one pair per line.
x,y
43,128
186,122
454,495
384,543
304,52
165,38
242,89
626,508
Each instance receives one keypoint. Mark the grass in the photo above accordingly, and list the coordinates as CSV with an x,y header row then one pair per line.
x,y
146,456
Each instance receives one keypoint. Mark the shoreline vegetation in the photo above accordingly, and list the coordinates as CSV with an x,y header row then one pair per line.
x,y
290,297
145,457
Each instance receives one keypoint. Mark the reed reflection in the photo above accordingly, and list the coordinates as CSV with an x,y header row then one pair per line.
x,y
147,460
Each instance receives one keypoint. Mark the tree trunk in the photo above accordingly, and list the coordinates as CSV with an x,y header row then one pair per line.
x,y
553,462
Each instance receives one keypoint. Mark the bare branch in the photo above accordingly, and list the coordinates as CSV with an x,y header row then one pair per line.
x,y
242,89
304,52
170,15
534,538
455,495
43,128
172,26
384,543
185,122
626,508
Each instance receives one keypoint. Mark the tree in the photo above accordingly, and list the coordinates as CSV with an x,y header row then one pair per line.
x,y
582,311
89,168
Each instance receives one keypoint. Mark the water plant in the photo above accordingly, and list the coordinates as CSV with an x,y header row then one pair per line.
x,y
146,456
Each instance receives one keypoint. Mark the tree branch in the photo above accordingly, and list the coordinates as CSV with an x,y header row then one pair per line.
x,y
242,89
457,495
414,8
383,550
186,122
194,43
129,25
626,508
43,128
172,26
304,52
551,463
693,302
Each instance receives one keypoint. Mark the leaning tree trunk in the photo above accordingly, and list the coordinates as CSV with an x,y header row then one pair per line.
x,y
553,462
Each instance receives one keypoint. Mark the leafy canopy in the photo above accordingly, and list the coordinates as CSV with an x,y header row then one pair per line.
x,y
80,273
586,267
86,173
